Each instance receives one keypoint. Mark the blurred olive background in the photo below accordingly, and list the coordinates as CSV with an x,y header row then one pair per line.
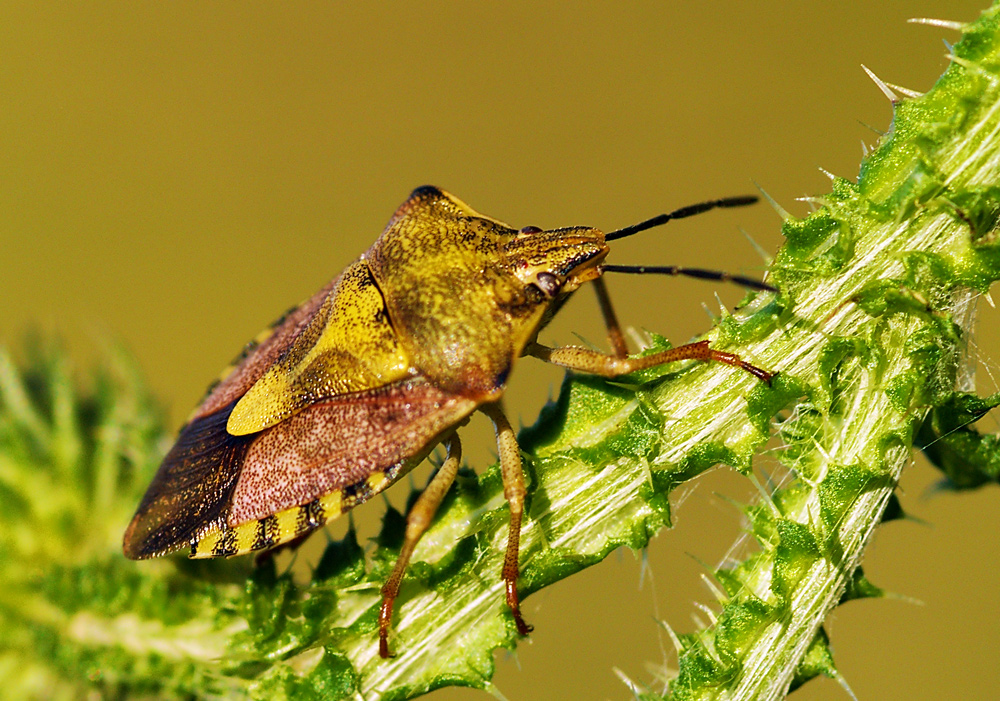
x,y
176,175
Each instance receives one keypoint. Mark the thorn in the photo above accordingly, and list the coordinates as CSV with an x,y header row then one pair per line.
x,y
678,647
905,91
814,201
948,45
785,216
893,97
767,258
770,485
943,23
960,61
766,497
586,342
864,148
866,125
989,299
840,679
512,655
969,65
708,612
708,645
739,507
631,685
708,311
701,563
912,601
827,173
493,691
641,339
717,592
644,567
723,311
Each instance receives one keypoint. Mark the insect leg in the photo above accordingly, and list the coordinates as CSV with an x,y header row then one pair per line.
x,y
514,491
615,337
585,360
417,521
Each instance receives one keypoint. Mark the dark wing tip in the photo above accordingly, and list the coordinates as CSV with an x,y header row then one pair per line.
x,y
191,491
132,545
159,528
146,538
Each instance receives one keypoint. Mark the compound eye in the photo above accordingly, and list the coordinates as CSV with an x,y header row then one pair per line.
x,y
527,230
548,283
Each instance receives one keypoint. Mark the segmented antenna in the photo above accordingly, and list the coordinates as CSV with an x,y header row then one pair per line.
x,y
681,213
699,273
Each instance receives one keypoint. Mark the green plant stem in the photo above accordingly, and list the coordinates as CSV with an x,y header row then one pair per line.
x,y
885,301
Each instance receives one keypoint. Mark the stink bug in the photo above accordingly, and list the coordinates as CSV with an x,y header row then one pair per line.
x,y
353,388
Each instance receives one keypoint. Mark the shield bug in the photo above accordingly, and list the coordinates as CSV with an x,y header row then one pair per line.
x,y
352,389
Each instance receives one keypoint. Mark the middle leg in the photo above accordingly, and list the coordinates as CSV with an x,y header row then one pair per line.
x,y
514,490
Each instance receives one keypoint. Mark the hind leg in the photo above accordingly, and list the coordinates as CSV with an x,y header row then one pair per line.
x,y
417,522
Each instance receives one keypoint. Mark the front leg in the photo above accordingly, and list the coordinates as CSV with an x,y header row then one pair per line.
x,y
595,363
615,336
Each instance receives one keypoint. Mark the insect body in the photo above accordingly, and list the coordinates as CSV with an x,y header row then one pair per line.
x,y
357,385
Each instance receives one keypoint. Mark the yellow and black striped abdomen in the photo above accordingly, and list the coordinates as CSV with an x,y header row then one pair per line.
x,y
289,524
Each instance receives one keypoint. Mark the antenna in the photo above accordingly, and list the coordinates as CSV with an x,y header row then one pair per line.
x,y
700,273
681,213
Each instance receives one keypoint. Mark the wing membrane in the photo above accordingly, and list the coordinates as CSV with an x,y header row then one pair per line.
x,y
191,490
345,444
226,495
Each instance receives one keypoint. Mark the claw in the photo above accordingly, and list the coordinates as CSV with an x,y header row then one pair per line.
x,y
515,608
384,620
